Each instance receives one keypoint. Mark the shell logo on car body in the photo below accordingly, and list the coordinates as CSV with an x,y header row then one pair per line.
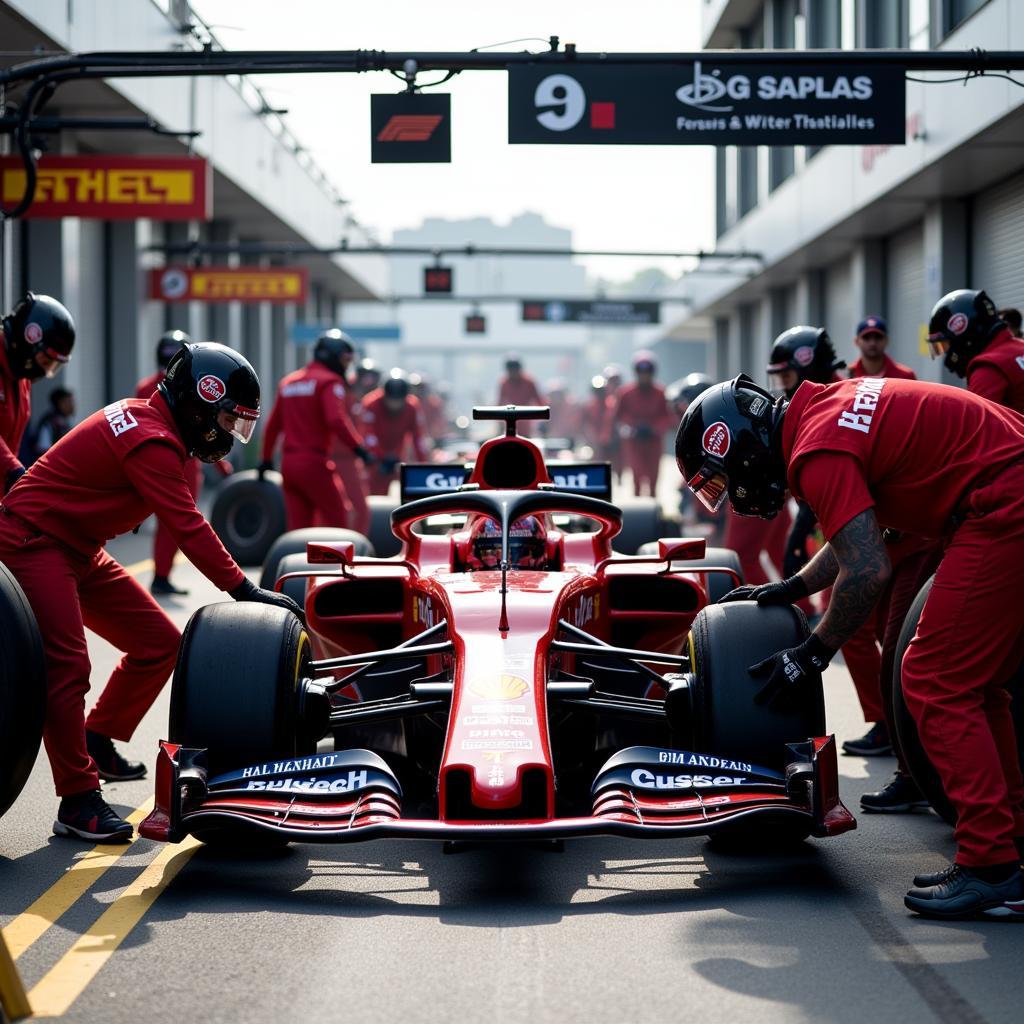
x,y
499,687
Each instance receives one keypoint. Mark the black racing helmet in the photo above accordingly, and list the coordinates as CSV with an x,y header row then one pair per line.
x,y
808,351
962,324
169,343
729,443
214,395
331,348
396,386
40,335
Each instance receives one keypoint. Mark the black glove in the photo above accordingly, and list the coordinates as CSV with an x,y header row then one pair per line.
x,y
264,467
388,465
790,673
363,455
248,591
786,592
13,476
796,556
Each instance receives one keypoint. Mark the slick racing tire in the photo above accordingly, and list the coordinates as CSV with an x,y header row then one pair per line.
x,y
641,524
917,761
248,515
725,640
22,689
718,583
235,694
294,543
384,542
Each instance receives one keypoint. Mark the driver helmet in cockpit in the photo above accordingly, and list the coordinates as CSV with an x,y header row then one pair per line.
x,y
527,545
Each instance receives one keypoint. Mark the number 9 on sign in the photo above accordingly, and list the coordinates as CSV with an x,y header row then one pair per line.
x,y
566,95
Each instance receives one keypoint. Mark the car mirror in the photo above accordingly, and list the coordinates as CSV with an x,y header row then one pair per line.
x,y
338,552
679,549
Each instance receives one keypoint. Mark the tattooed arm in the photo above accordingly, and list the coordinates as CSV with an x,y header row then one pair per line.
x,y
821,571
859,554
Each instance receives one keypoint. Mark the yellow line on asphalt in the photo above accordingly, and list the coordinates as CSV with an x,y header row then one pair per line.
x,y
136,568
27,927
68,978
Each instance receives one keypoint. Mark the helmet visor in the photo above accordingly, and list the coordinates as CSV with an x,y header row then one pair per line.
x,y
711,486
50,361
938,345
240,422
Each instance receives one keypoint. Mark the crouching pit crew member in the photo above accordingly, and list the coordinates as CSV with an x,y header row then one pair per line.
x,y
36,339
117,467
922,458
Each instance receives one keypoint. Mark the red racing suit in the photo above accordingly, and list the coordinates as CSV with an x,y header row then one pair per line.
x,y
311,414
164,547
389,435
117,467
997,372
15,409
942,463
521,390
641,416
351,473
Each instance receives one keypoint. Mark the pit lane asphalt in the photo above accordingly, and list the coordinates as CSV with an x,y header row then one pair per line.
x,y
609,930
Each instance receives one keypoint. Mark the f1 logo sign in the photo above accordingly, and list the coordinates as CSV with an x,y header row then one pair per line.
x,y
410,128
562,103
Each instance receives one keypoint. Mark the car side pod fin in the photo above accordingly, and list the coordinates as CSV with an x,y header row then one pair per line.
x,y
831,817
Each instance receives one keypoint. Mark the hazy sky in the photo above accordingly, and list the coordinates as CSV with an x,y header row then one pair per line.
x,y
643,197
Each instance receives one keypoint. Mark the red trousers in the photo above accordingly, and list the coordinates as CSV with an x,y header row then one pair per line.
x,y
353,485
748,537
165,547
312,491
68,593
967,646
644,459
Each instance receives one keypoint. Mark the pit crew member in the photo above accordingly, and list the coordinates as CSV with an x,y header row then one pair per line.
x,y
641,417
393,423
120,465
869,453
517,387
310,414
872,339
37,338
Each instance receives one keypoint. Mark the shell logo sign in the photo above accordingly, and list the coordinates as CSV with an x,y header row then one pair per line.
x,y
499,687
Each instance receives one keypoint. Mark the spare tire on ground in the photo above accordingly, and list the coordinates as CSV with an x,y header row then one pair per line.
x,y
718,583
384,542
294,543
641,523
22,689
248,515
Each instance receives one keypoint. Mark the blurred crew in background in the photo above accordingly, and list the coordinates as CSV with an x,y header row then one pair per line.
x,y
165,548
613,377
873,339
518,388
641,417
393,425
36,339
564,423
51,426
1012,318
597,411
368,375
116,468
978,344
435,419
311,418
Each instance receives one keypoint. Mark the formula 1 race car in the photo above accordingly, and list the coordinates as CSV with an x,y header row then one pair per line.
x,y
505,677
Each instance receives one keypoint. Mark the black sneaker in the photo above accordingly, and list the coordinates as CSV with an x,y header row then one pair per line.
x,y
962,895
163,587
88,816
874,743
935,878
109,763
899,796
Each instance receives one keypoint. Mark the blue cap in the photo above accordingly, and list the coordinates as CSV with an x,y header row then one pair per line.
x,y
872,323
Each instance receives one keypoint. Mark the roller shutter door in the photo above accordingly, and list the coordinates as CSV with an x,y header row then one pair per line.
x,y
840,317
997,242
905,298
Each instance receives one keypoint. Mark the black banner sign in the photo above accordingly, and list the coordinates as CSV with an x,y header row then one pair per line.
x,y
707,103
602,311
410,128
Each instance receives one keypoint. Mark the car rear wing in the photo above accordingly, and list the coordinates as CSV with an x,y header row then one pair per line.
x,y
423,479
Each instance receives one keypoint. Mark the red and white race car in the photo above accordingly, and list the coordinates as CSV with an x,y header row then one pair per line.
x,y
505,677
